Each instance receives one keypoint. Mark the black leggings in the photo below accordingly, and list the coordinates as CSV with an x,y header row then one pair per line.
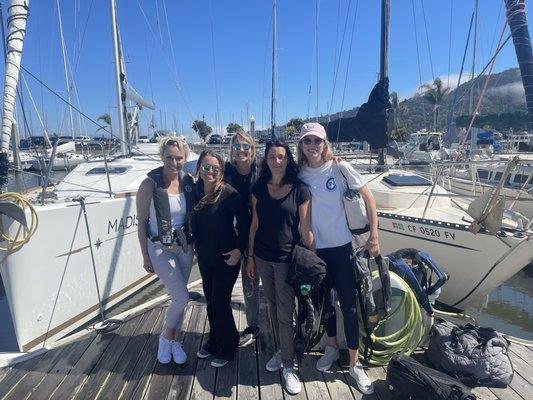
x,y
341,277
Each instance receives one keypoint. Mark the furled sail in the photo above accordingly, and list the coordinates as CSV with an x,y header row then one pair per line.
x,y
370,123
516,17
18,15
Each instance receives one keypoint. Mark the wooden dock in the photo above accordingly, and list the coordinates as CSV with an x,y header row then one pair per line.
x,y
122,365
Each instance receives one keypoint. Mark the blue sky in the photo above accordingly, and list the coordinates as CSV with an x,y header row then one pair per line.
x,y
232,41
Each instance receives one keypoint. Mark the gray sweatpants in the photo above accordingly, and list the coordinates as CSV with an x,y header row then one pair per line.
x,y
173,268
251,303
281,304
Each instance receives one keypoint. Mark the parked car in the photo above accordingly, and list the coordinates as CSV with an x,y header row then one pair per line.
x,y
215,138
227,138
143,139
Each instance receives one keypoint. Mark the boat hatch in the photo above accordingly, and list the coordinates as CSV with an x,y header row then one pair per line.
x,y
112,170
406,180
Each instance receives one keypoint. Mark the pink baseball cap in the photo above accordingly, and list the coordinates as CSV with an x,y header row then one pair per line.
x,y
313,128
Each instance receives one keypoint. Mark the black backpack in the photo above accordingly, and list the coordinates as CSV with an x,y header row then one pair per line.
x,y
408,379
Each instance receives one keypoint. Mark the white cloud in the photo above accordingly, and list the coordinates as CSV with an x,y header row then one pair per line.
x,y
448,81
511,90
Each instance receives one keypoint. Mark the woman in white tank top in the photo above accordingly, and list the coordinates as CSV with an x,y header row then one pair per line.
x,y
171,266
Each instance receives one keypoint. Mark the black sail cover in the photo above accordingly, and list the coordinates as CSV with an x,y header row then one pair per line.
x,y
370,123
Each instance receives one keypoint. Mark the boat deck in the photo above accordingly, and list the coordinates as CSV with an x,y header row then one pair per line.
x,y
122,364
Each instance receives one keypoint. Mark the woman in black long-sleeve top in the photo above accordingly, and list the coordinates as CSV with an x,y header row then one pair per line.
x,y
219,246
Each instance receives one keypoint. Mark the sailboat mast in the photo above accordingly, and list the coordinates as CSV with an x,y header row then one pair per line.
x,y
67,80
118,79
471,102
516,18
18,15
273,100
384,57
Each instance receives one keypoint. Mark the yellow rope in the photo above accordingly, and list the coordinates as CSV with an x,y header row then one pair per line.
x,y
22,235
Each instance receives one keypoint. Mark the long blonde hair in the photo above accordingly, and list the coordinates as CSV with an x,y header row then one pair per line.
x,y
212,197
327,153
244,137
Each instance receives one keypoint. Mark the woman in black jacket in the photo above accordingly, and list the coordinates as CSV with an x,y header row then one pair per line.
x,y
241,173
219,247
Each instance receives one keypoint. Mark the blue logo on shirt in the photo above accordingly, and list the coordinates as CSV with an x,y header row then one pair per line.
x,y
330,184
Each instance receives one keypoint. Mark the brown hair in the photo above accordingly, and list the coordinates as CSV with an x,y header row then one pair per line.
x,y
212,197
173,140
327,153
244,137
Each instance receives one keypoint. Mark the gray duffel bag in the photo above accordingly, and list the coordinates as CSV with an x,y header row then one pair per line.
x,y
474,355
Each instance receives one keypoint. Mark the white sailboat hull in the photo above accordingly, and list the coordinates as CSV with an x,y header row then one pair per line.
x,y
50,283
469,260
476,263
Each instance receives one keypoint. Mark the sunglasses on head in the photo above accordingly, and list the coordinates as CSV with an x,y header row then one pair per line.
x,y
210,168
308,140
241,146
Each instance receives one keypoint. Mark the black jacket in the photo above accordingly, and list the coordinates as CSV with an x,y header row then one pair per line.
x,y
213,225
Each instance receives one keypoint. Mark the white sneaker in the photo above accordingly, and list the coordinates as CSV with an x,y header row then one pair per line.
x,y
331,354
292,382
274,363
164,350
178,354
364,383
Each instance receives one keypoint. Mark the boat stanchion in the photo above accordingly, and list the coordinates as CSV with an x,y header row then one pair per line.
x,y
104,325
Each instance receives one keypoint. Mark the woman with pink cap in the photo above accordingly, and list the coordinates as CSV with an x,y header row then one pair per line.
x,y
333,238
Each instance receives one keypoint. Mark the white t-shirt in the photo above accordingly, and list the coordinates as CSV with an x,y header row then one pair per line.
x,y
178,210
330,227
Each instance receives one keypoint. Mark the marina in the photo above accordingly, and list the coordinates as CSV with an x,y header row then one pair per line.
x,y
90,307
122,365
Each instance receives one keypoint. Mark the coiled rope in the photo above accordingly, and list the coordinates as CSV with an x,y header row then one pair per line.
x,y
23,235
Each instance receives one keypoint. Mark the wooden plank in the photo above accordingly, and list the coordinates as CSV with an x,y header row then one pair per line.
x,y
523,352
484,393
523,368
315,387
248,388
521,386
164,373
99,374
181,386
227,376
33,369
337,385
507,394
77,376
73,352
269,382
205,376
140,375
122,370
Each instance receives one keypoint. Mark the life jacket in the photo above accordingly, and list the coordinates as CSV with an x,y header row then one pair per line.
x,y
419,275
165,234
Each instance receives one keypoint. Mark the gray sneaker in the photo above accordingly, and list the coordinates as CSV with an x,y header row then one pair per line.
x,y
203,353
331,354
274,363
218,362
364,383
292,382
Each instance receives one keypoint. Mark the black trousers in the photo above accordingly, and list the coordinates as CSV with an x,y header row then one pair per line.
x,y
218,279
340,275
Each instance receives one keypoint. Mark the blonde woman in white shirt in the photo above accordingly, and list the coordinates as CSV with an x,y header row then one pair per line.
x,y
334,240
